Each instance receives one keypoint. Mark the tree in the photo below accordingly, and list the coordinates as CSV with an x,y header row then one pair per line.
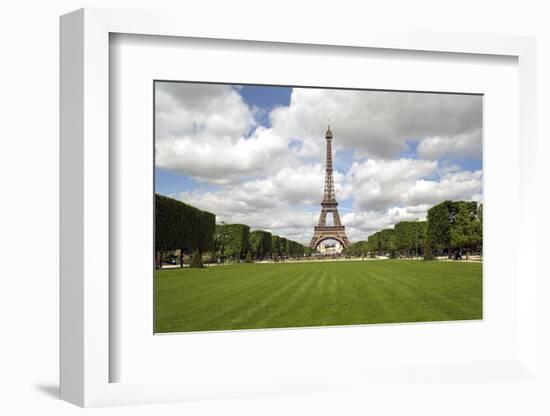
x,y
275,246
248,258
404,237
375,243
284,245
196,261
232,239
450,225
299,249
260,243
480,231
439,226
166,213
442,223
389,243
428,253
292,247
205,228
459,232
358,249
409,236
295,248
382,242
466,229
179,226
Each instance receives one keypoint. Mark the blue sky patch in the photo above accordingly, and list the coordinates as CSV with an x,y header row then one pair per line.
x,y
265,98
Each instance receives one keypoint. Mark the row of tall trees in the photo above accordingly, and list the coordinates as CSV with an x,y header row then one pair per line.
x,y
405,239
358,249
181,227
409,237
236,240
184,229
451,227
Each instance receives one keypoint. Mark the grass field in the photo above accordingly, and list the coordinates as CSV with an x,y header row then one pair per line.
x,y
246,296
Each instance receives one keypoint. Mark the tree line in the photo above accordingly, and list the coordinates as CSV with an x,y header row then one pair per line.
x,y
236,240
184,229
452,228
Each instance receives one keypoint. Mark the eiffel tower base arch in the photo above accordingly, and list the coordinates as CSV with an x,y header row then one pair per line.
x,y
329,233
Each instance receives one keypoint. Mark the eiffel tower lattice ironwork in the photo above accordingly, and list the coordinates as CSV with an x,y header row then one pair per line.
x,y
329,205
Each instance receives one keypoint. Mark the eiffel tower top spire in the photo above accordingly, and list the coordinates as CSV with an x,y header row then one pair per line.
x,y
329,195
328,135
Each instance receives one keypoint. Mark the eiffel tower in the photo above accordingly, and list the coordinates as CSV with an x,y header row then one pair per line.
x,y
329,205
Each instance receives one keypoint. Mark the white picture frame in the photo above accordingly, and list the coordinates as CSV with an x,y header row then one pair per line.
x,y
85,207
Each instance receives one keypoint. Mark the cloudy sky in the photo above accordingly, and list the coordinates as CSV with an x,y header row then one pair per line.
x,y
255,155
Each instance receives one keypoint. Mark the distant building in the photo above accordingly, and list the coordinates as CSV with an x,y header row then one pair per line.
x,y
332,248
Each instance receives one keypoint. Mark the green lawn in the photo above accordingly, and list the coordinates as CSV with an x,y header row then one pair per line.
x,y
246,296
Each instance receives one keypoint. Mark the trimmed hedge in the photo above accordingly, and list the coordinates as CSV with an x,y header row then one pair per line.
x,y
283,242
260,243
275,245
232,239
179,226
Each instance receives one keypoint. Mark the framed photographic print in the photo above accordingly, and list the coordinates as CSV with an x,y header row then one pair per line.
x,y
274,214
